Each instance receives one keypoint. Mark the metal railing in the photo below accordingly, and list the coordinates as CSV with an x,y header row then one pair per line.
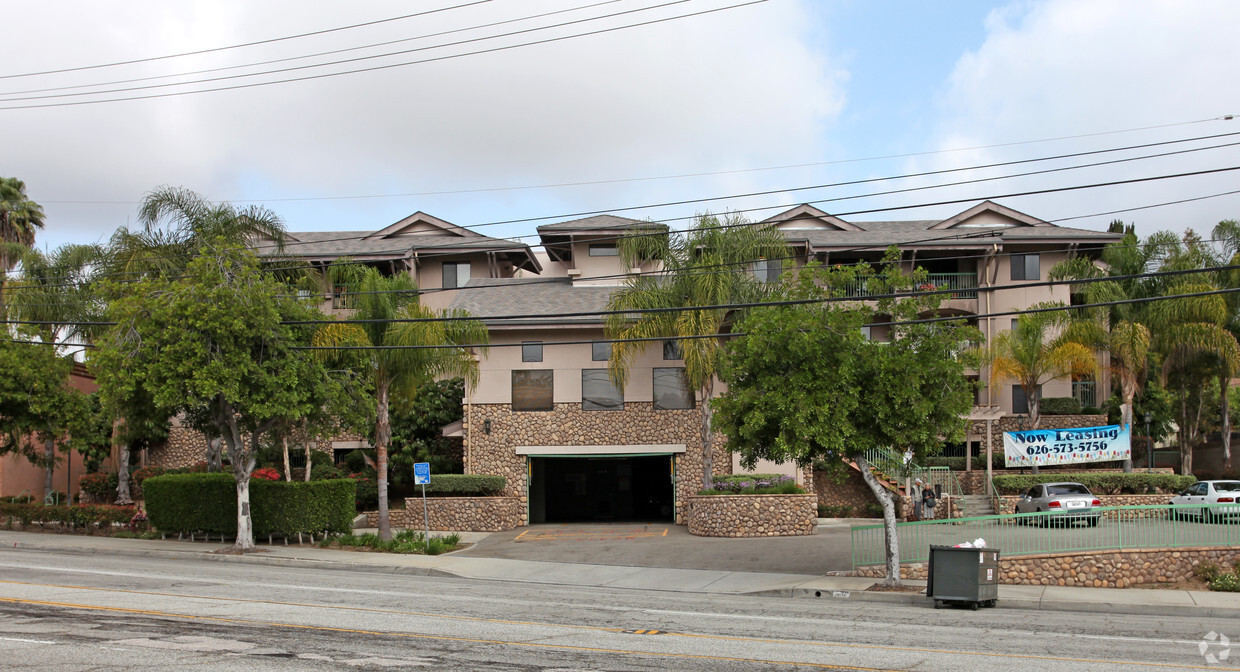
x,y
1119,527
963,286
1086,392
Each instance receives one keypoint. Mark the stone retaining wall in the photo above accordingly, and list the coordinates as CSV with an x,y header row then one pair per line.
x,y
1097,569
457,514
1020,423
751,515
1007,504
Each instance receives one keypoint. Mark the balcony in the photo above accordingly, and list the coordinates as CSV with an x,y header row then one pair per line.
x,y
1086,392
963,286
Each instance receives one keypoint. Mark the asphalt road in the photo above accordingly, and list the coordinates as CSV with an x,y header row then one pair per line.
x,y
91,612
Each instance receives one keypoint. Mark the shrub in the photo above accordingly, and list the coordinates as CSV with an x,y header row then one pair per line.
x,y
754,484
208,503
408,541
366,492
140,475
355,461
1206,571
100,486
265,474
1099,484
89,517
1060,406
1229,583
839,511
465,485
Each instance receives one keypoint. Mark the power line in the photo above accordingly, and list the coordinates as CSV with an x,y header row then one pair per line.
x,y
245,44
357,70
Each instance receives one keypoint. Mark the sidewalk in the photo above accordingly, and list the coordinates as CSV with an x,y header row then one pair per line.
x,y
1054,598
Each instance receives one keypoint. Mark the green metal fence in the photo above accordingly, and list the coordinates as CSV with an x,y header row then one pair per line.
x,y
1119,527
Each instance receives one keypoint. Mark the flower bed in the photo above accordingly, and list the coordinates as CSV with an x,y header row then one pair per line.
x,y
752,515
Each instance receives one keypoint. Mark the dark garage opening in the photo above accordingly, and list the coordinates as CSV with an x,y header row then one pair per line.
x,y
591,489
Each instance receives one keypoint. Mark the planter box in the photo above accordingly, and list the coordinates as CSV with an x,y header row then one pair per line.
x,y
752,515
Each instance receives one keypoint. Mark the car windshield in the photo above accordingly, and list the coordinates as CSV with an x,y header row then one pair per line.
x,y
1227,486
1067,489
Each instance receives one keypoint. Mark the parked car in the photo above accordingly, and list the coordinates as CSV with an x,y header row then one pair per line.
x,y
1206,494
1066,502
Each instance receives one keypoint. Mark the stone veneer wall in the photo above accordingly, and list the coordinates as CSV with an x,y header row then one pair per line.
x,y
186,447
568,425
1097,569
1020,423
457,514
752,515
1008,504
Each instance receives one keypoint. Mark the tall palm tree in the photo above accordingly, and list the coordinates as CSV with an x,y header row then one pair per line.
x,y
20,217
712,264
1040,348
1120,327
393,359
1228,233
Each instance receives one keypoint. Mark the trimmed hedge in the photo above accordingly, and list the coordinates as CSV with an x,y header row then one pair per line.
x,y
208,503
464,485
1060,406
89,516
1099,484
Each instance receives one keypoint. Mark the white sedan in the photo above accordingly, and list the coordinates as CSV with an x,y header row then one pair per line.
x,y
1209,495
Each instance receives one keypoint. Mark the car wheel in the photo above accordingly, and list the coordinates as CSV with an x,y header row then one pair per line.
x,y
1093,522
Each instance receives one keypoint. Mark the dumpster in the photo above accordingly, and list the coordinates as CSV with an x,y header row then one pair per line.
x,y
963,576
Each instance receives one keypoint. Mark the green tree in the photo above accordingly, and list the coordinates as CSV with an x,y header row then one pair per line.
x,y
714,263
400,357
214,345
805,385
417,430
38,409
20,218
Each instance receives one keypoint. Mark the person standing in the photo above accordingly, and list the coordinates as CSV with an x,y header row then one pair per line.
x,y
928,502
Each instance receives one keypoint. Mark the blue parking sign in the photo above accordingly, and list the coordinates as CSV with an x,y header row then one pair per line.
x,y
422,473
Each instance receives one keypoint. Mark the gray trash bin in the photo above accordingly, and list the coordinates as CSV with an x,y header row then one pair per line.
x,y
965,576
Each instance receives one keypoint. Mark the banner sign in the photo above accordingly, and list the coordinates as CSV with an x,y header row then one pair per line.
x,y
1067,446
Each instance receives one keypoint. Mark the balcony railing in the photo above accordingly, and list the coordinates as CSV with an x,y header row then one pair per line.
x,y
963,286
1086,392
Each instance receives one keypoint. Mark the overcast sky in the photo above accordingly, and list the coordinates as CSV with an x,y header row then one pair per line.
x,y
812,91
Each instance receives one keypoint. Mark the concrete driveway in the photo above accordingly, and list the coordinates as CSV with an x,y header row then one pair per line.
x,y
671,546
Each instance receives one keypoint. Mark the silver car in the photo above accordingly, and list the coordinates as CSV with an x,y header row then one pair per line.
x,y
1066,502
1209,495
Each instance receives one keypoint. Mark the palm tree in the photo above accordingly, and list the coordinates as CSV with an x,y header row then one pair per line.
x,y
175,223
1039,349
1228,233
1120,325
392,356
712,264
20,217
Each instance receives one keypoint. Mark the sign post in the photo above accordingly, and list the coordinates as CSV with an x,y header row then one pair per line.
x,y
422,477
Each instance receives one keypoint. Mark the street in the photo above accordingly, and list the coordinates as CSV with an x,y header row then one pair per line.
x,y
78,612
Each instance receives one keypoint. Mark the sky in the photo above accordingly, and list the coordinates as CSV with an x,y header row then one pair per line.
x,y
477,124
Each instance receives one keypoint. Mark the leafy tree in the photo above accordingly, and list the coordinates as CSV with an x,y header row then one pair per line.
x,y
214,345
20,218
417,427
38,409
712,264
804,384
399,357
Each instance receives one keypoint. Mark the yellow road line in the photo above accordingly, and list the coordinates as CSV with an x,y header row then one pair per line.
x,y
755,640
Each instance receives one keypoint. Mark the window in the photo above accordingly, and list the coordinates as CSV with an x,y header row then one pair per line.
x,y
1020,404
455,274
598,393
342,298
1026,267
1015,323
600,352
532,390
866,333
671,350
604,251
768,270
671,389
531,351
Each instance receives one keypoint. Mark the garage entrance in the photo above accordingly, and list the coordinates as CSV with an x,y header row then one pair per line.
x,y
576,488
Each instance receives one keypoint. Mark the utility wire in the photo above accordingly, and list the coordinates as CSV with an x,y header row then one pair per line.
x,y
357,70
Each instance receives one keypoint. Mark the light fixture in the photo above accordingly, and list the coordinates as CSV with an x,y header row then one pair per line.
x,y
486,425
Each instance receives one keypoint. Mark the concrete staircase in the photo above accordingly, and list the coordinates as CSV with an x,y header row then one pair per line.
x,y
976,505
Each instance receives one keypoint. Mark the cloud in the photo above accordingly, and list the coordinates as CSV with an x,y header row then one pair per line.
x,y
733,89
1071,67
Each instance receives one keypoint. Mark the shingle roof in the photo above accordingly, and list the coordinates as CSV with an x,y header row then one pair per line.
x,y
532,297
919,234
600,223
350,243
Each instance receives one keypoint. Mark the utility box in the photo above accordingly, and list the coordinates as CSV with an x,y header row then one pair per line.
x,y
963,576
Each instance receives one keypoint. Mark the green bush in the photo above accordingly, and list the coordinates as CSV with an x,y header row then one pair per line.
x,y
1206,571
89,517
1099,484
208,503
754,484
408,541
465,485
1060,406
1228,583
839,511
355,461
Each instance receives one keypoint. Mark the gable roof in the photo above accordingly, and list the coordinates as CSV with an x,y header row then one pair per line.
x,y
1016,217
807,211
429,223
600,224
